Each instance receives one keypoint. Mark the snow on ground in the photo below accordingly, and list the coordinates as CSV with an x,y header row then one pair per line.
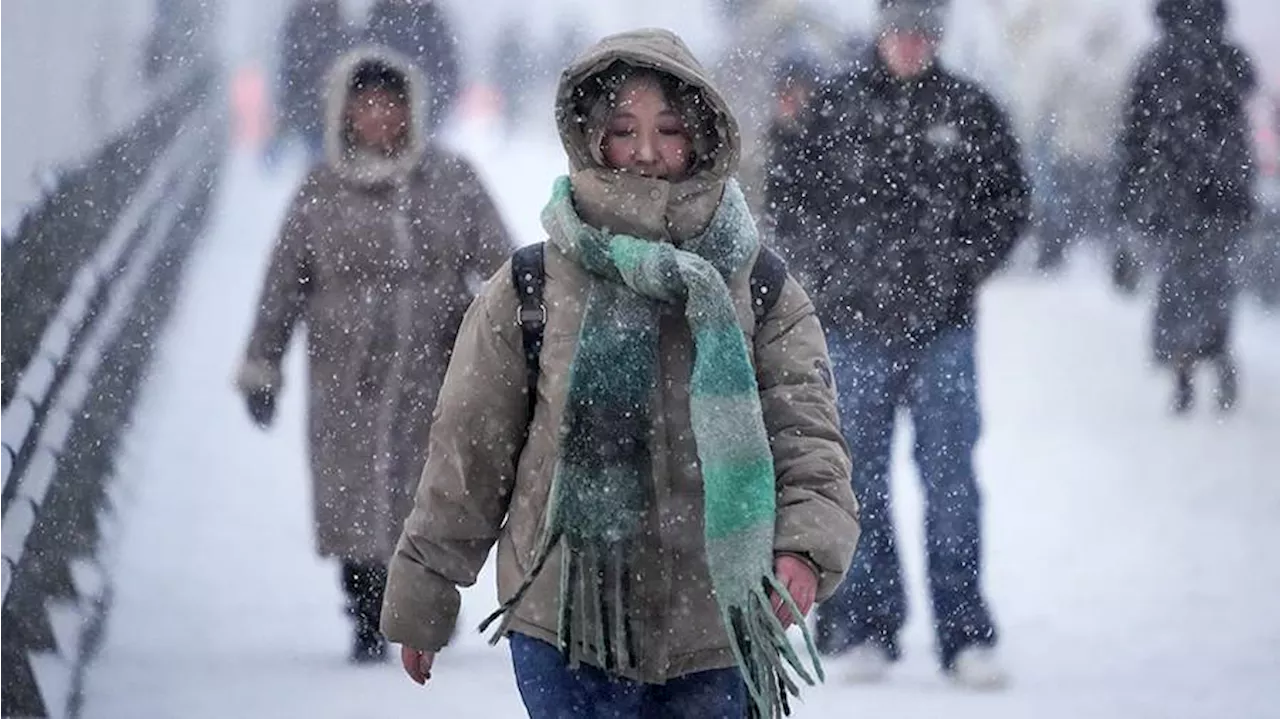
x,y
1130,554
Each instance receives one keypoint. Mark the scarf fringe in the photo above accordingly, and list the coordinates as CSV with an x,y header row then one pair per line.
x,y
593,624
765,655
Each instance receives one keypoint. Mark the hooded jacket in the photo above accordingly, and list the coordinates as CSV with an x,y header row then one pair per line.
x,y
483,484
1185,151
378,258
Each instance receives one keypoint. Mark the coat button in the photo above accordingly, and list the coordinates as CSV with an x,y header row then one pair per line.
x,y
655,194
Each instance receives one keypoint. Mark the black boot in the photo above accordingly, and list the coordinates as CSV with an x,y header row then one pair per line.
x,y
367,645
1124,272
1183,391
1228,383
1052,256
363,584
831,638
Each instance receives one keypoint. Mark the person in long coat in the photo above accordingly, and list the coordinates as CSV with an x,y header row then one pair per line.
x,y
382,251
1187,181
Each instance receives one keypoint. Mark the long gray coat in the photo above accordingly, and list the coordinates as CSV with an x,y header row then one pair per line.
x,y
379,258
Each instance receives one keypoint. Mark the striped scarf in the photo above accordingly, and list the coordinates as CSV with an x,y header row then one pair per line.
x,y
601,487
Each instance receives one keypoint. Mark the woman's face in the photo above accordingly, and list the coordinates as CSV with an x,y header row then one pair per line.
x,y
379,121
645,135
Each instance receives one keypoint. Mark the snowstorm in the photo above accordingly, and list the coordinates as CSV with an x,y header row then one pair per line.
x,y
678,358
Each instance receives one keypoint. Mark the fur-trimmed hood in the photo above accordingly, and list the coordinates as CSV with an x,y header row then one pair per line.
x,y
362,168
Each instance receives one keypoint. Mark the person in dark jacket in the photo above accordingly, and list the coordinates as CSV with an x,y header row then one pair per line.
x,y
917,196
797,84
420,30
1187,181
315,35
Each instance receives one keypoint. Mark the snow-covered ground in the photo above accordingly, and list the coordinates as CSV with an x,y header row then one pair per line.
x,y
1131,555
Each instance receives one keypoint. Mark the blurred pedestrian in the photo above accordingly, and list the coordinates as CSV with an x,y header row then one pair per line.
x,y
180,36
1187,180
920,198
380,255
315,35
760,35
513,69
662,509
787,173
420,30
1079,111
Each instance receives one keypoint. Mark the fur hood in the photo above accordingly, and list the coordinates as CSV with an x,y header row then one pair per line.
x,y
365,169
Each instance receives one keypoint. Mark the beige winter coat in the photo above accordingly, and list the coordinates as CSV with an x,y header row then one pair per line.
x,y
478,488
379,259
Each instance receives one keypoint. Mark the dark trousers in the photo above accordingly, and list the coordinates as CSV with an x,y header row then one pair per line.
x,y
551,690
937,383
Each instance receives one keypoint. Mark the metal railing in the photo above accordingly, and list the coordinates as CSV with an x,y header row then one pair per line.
x,y
87,333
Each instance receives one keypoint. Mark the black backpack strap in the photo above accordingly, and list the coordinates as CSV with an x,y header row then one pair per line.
x,y
767,278
528,276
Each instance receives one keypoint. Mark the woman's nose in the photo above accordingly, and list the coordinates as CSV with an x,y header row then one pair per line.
x,y
646,150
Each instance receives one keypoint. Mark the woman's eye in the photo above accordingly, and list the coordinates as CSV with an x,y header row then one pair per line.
x,y
621,132
671,131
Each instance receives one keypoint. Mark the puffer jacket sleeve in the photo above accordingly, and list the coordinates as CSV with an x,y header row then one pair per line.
x,y
817,513
283,298
463,494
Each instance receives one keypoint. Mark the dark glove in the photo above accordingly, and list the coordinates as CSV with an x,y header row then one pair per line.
x,y
262,406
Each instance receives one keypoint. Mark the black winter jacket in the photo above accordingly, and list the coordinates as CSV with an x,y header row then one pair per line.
x,y
1185,149
915,194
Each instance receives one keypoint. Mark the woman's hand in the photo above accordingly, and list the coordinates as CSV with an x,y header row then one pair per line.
x,y
801,583
417,664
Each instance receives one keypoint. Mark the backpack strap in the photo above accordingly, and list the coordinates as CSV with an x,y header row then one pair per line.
x,y
767,278
528,276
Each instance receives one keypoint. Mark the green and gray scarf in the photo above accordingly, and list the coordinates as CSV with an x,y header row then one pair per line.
x,y
602,482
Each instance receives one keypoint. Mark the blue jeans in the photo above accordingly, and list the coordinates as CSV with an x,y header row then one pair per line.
x,y
551,690
937,383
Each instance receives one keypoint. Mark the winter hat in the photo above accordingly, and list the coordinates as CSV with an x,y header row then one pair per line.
x,y
927,17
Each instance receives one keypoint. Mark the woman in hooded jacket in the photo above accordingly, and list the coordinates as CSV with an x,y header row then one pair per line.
x,y
380,255
673,491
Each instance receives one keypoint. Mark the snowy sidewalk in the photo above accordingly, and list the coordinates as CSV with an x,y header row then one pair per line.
x,y
1130,555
